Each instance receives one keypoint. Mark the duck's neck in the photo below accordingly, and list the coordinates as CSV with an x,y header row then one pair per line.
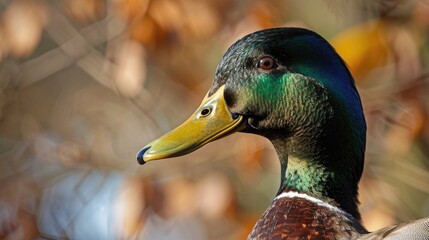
x,y
307,177
322,167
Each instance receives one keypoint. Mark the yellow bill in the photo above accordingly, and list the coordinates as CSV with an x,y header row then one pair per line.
x,y
209,122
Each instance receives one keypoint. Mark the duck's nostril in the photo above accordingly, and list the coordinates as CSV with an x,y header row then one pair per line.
x,y
140,154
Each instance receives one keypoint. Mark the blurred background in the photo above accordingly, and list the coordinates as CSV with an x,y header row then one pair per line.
x,y
84,84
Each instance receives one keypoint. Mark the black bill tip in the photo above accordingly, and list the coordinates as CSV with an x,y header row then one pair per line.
x,y
140,155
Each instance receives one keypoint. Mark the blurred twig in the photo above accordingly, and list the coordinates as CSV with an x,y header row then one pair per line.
x,y
74,46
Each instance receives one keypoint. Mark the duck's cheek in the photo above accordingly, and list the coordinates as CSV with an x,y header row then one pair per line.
x,y
236,100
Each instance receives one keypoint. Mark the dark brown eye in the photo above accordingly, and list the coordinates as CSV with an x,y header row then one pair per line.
x,y
267,63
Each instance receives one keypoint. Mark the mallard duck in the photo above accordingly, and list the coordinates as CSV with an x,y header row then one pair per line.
x,y
290,86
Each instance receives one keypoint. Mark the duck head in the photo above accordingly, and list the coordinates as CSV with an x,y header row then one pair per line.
x,y
290,86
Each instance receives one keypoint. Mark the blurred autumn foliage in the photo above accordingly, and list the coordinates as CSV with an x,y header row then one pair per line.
x,y
85,83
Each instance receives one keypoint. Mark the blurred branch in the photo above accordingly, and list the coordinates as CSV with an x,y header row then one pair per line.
x,y
73,46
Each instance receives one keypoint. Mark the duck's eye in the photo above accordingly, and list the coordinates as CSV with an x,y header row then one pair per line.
x,y
205,112
267,63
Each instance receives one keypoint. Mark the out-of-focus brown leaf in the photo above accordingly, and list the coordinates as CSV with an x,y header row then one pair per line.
x,y
262,13
400,138
363,47
201,22
404,48
165,18
215,195
180,198
148,32
421,13
167,14
23,22
376,218
85,10
130,71
8,227
376,44
250,154
131,9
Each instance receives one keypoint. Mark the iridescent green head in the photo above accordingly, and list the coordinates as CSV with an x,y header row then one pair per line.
x,y
289,85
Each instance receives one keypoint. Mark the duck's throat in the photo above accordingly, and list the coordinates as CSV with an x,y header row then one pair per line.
x,y
305,176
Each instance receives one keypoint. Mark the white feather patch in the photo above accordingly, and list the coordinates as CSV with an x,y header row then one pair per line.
x,y
313,200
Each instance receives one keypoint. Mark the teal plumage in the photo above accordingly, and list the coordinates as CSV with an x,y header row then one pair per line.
x,y
312,85
290,86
